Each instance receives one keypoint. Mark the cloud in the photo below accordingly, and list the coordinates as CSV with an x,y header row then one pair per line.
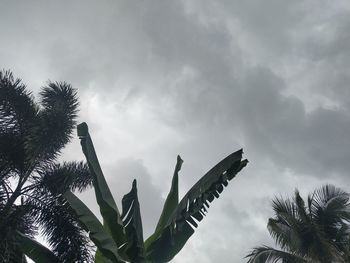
x,y
313,142
199,79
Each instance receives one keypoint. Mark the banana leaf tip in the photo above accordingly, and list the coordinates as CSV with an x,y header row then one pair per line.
x,y
83,129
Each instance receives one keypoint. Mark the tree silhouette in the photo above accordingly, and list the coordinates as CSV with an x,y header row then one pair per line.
x,y
32,136
317,231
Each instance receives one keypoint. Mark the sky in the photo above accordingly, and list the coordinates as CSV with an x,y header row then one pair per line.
x,y
201,79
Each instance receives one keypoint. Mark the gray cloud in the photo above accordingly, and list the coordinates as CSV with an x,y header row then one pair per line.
x,y
312,142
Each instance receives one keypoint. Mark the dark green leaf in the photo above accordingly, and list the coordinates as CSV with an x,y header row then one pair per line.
x,y
97,233
170,204
180,226
131,215
100,258
109,211
34,250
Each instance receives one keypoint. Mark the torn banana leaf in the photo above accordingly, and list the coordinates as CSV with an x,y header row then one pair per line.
x,y
109,210
134,248
192,208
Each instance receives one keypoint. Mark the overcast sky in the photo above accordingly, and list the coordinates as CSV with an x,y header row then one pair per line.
x,y
202,79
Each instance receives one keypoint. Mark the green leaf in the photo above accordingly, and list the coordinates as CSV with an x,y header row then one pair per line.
x,y
109,211
34,250
170,204
131,215
180,225
100,258
103,241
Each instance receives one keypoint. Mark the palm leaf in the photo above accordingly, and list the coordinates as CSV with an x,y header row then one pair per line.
x,y
54,124
109,211
180,225
329,204
292,229
342,238
17,113
17,106
316,233
58,178
301,208
270,255
286,236
30,138
60,229
17,220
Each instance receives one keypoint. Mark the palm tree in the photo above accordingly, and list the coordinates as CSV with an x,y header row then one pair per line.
x,y
317,231
31,181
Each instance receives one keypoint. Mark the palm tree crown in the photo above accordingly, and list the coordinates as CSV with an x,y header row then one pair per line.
x,y
31,137
317,231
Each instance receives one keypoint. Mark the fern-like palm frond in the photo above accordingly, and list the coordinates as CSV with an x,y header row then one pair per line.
x,y
267,254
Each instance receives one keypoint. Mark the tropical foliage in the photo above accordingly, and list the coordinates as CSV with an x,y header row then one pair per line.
x,y
317,231
31,181
120,237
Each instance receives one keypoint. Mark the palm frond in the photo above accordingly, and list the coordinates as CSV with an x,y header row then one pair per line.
x,y
30,139
282,207
17,107
59,227
18,219
56,121
12,154
301,208
286,227
286,236
5,191
316,232
17,113
267,254
59,178
342,237
331,201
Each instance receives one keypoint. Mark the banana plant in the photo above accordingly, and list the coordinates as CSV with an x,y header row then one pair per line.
x,y
34,250
119,238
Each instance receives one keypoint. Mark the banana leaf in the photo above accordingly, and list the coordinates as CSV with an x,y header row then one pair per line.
x,y
34,250
192,208
103,241
100,258
109,211
134,249
170,204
